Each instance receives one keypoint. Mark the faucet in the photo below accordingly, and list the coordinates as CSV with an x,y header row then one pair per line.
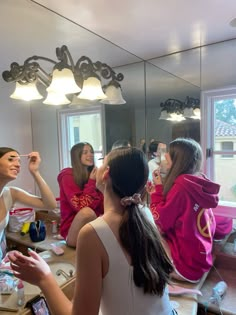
x,y
60,272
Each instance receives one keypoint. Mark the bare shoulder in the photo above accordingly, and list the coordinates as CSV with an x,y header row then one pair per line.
x,y
15,191
88,237
86,231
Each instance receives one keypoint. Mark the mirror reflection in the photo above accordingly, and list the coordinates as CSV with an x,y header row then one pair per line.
x,y
146,85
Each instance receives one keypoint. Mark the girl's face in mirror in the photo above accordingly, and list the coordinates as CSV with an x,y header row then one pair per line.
x,y
10,165
161,149
87,157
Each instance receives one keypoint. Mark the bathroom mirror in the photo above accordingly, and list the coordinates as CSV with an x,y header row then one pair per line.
x,y
146,83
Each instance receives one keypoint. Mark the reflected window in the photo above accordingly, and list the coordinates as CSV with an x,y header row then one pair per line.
x,y
219,141
81,125
227,146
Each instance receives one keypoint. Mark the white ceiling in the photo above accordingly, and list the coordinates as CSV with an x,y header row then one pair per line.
x,y
117,32
152,28
147,29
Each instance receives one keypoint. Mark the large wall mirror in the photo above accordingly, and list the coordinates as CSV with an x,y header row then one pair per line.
x,y
162,85
145,86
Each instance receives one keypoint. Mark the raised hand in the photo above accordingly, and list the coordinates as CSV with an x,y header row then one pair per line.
x,y
93,173
34,161
32,269
156,177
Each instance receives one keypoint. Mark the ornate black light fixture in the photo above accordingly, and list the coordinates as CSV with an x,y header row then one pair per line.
x,y
176,110
83,78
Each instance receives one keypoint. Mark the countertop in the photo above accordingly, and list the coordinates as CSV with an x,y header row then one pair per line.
x,y
224,270
187,304
51,258
37,246
44,248
184,304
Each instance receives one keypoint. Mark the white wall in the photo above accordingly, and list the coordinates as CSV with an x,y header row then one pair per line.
x,y
45,140
21,122
15,132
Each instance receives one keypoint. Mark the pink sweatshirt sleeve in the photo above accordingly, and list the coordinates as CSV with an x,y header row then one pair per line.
x,y
79,198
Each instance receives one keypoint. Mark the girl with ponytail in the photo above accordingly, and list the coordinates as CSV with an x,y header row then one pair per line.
x,y
122,267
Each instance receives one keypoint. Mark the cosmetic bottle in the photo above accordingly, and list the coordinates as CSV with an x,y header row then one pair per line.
x,y
20,293
219,289
218,292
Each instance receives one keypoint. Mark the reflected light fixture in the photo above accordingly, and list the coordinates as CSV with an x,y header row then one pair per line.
x,y
113,93
92,89
67,79
176,110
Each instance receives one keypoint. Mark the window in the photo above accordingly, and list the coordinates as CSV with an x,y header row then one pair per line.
x,y
80,125
227,146
218,135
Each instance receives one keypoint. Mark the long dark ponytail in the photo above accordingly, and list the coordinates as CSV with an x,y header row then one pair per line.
x,y
139,237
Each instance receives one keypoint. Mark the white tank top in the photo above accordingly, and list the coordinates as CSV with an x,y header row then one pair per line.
x,y
120,296
7,199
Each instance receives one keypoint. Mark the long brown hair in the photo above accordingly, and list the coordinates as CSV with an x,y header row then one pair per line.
x,y
128,170
80,172
186,157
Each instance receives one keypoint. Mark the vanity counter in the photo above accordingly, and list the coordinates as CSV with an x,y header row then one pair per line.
x,y
64,262
225,270
184,304
187,304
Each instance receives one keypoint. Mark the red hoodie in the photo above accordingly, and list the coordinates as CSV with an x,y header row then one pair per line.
x,y
73,198
186,220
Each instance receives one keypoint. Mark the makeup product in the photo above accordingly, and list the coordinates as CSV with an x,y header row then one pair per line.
x,y
54,226
57,250
219,289
20,293
25,228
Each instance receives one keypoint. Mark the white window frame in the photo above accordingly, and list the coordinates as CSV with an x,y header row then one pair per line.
x,y
226,209
63,129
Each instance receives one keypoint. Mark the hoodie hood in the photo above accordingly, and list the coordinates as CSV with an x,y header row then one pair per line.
x,y
202,190
65,171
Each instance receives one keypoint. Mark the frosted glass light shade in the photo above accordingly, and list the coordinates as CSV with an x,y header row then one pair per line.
x,y
54,98
197,113
114,96
92,89
188,112
26,92
192,113
164,115
176,117
63,81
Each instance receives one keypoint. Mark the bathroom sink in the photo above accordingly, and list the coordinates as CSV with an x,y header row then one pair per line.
x,y
67,268
10,301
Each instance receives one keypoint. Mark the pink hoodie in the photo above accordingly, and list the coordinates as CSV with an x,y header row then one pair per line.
x,y
186,221
73,198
